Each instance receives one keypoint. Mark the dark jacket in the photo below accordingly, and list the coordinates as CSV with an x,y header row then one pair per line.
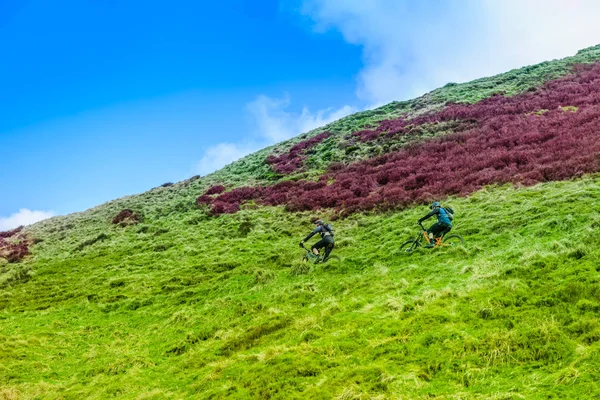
x,y
441,215
323,230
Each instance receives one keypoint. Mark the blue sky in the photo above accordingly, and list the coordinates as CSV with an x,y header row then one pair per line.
x,y
101,99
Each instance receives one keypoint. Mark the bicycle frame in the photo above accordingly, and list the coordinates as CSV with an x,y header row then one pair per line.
x,y
311,256
442,241
425,234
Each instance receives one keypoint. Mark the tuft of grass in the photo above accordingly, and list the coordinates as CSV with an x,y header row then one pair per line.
x,y
300,268
13,274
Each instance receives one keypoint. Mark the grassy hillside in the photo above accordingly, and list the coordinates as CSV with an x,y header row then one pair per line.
x,y
223,308
200,292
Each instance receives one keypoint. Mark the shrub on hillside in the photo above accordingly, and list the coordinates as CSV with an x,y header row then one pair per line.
x,y
386,127
14,245
335,166
203,200
11,233
220,207
127,217
14,252
168,184
216,189
208,196
293,160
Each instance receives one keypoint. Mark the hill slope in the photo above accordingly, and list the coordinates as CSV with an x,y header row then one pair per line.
x,y
200,293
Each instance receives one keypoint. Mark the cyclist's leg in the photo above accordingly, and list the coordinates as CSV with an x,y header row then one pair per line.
x,y
446,230
437,229
319,245
328,250
434,232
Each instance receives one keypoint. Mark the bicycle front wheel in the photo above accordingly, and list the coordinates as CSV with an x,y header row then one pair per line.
x,y
453,240
409,246
308,257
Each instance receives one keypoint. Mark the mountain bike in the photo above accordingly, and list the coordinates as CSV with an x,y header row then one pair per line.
x,y
309,256
445,241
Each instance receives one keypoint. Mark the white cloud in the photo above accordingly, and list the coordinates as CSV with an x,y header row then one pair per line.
x,y
275,123
24,217
271,119
218,156
413,47
272,123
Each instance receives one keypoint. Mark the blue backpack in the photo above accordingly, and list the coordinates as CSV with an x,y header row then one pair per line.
x,y
449,212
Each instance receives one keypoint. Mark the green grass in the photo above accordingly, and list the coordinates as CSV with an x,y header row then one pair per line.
x,y
185,306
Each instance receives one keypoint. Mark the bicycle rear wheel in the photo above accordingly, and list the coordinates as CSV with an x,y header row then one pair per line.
x,y
333,260
409,246
453,240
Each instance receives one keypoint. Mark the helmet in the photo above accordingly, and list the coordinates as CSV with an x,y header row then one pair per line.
x,y
435,204
319,222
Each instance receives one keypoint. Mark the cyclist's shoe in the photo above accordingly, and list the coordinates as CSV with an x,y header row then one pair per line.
x,y
431,244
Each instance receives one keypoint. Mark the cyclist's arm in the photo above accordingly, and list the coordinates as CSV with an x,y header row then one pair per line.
x,y
313,233
429,215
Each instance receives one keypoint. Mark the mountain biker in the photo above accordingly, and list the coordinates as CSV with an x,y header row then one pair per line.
x,y
326,232
443,224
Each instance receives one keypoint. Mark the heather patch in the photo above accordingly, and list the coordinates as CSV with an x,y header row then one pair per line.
x,y
11,233
208,196
127,217
216,189
293,160
14,245
506,143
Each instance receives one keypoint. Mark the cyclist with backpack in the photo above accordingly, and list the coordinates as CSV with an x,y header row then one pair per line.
x,y
442,226
326,232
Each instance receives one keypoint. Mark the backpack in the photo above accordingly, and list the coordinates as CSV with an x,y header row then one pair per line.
x,y
450,212
329,228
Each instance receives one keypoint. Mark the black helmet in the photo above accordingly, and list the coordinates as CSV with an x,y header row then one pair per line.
x,y
435,204
319,222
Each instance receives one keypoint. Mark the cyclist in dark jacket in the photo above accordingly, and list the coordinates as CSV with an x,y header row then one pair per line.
x,y
443,224
326,232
